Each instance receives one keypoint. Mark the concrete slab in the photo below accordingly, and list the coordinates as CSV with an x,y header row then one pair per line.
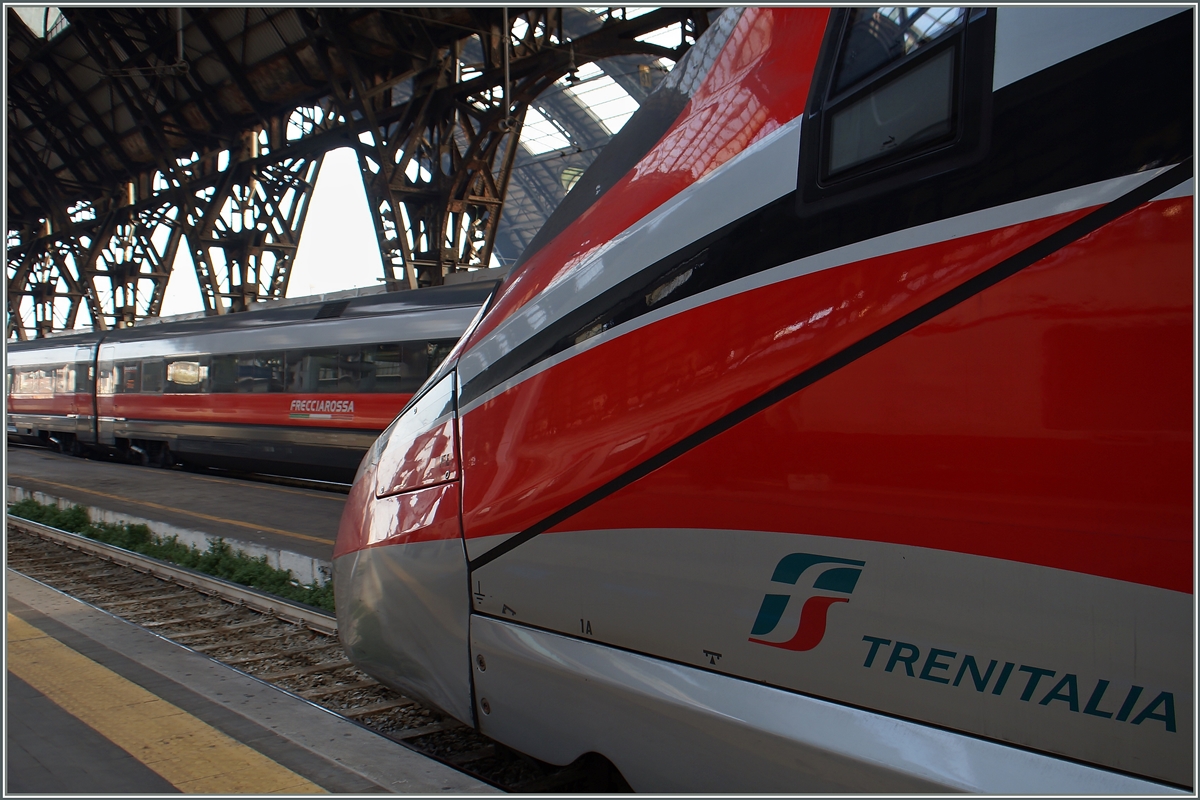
x,y
48,751
285,518
327,750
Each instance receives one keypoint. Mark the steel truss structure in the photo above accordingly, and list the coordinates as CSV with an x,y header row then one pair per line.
x,y
134,132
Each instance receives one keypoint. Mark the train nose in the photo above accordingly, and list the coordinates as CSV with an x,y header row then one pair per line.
x,y
400,570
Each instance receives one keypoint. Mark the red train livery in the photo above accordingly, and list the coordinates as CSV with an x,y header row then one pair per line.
x,y
836,433
298,390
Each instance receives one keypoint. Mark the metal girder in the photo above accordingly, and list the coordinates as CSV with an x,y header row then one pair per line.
x,y
133,256
437,173
43,275
140,129
244,230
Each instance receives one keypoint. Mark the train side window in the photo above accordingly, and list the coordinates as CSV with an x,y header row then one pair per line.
x,y
272,367
352,370
305,370
312,371
62,380
107,381
327,371
187,376
385,373
43,379
414,365
153,373
260,372
902,94
82,377
129,378
223,374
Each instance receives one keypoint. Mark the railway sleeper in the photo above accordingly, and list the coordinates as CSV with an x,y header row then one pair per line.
x,y
424,730
183,620
256,623
291,651
388,705
329,691
295,673
153,599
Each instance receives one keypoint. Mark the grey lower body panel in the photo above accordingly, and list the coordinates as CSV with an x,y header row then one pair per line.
x,y
305,452
674,728
32,426
403,617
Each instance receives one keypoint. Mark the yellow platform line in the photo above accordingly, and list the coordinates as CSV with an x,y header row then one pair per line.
x,y
209,517
191,755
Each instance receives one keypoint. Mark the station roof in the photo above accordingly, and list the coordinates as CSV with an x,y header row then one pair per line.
x,y
100,95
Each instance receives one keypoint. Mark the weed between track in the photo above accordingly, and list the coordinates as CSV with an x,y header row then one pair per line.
x,y
220,560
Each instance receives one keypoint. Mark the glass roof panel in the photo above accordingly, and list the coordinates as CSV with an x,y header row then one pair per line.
x,y
45,22
540,135
611,104
670,36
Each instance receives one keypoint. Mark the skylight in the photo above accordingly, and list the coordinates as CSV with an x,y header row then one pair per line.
x,y
540,135
623,12
45,22
611,104
670,36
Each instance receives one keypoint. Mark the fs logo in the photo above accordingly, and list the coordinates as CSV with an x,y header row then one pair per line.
x,y
811,628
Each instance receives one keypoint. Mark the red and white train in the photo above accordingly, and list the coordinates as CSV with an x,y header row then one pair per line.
x,y
837,432
300,390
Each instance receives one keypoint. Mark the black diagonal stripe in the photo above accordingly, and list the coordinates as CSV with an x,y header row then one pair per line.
x,y
984,280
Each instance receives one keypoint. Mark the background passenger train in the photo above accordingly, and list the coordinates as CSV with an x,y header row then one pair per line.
x,y
50,392
301,390
836,432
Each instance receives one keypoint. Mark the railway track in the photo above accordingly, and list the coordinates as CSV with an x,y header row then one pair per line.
x,y
290,646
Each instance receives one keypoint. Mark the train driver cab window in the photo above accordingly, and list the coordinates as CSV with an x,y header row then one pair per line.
x,y
903,93
903,62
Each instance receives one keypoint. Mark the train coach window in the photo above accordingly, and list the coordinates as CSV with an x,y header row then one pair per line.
x,y
153,373
85,378
355,372
187,376
64,379
129,378
310,371
436,353
23,381
387,370
223,374
107,382
260,372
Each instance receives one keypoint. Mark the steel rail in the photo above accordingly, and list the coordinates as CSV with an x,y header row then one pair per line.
x,y
308,616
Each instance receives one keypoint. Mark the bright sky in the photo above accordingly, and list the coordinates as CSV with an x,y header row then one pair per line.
x,y
338,249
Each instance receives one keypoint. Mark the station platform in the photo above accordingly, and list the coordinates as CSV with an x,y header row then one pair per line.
x,y
97,705
289,518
